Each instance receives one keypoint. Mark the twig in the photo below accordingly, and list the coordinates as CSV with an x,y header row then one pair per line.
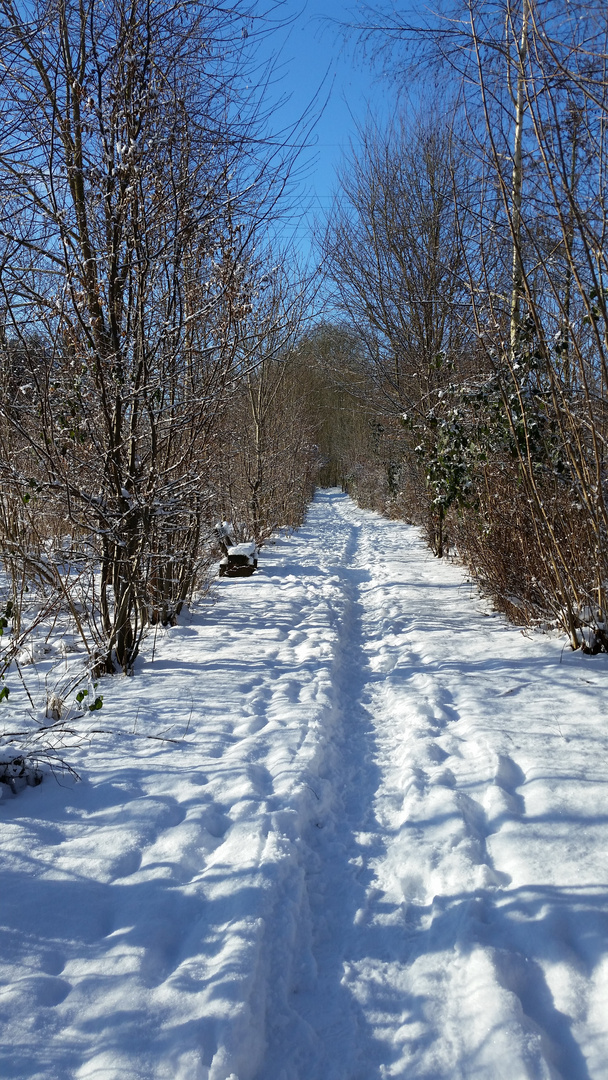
x,y
191,711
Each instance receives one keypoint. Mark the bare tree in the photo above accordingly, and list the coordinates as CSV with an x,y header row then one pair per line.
x,y
269,460
134,179
395,253
531,81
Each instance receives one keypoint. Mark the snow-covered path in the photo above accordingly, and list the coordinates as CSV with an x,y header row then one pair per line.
x,y
377,848
458,888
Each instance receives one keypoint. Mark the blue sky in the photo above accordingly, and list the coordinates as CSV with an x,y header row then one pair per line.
x,y
312,59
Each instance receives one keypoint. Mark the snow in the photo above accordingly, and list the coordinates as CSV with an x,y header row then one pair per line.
x,y
247,548
345,824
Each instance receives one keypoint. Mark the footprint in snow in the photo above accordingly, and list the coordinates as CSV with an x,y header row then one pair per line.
x,y
251,726
215,822
124,865
52,963
502,800
250,684
508,774
45,990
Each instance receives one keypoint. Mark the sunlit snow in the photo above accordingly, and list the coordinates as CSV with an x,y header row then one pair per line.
x,y
376,845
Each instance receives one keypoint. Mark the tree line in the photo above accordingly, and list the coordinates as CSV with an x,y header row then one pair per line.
x,y
147,319
468,257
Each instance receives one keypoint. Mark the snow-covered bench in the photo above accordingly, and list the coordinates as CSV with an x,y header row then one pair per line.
x,y
239,560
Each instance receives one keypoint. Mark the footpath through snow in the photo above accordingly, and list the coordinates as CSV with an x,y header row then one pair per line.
x,y
377,846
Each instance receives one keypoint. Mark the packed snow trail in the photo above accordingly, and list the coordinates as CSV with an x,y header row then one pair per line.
x,y
377,846
458,883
